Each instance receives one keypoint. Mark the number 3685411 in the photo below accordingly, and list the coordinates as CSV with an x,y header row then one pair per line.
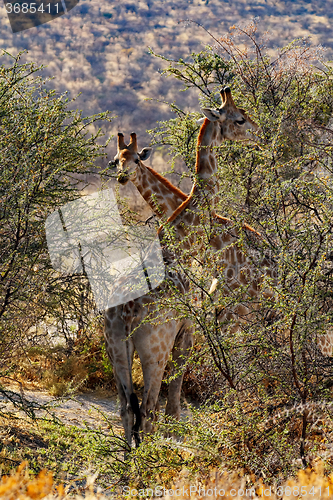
x,y
26,8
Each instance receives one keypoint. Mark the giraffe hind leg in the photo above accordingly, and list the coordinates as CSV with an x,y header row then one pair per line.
x,y
180,353
122,375
126,412
120,350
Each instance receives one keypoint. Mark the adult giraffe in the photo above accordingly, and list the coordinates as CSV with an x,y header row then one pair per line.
x,y
226,123
153,345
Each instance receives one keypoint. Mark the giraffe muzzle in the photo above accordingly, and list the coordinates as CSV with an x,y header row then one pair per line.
x,y
123,177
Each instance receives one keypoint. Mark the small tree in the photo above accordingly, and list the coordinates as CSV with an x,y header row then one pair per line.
x,y
44,146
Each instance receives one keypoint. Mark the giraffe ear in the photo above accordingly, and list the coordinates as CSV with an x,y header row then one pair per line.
x,y
200,121
145,153
212,114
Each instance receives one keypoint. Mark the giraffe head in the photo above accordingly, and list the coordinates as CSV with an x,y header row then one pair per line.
x,y
128,157
234,124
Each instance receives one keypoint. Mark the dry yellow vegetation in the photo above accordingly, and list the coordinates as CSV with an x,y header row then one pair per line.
x,y
309,484
20,486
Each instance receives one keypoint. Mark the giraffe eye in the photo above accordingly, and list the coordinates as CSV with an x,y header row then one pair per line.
x,y
240,122
137,161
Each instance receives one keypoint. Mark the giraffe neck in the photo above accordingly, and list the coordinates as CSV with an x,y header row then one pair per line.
x,y
206,164
205,187
162,197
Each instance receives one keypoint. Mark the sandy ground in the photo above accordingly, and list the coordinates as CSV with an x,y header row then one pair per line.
x,y
81,410
85,409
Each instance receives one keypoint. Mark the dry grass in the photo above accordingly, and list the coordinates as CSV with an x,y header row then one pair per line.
x,y
309,484
20,486
59,372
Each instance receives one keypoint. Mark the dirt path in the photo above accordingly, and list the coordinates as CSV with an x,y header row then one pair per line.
x,y
81,410
91,409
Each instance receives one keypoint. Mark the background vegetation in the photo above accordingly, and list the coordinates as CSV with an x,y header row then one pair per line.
x,y
101,48
44,149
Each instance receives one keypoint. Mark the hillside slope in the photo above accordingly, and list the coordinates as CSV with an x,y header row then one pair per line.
x,y
101,49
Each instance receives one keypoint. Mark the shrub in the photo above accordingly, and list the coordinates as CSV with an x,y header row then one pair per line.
x,y
276,394
45,150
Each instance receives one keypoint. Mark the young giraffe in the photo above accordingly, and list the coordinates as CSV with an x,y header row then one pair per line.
x,y
153,345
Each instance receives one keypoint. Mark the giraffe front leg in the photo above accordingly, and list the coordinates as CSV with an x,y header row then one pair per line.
x,y
154,344
150,403
152,407
120,352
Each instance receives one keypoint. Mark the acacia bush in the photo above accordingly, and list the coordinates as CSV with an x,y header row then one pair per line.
x,y
44,151
275,381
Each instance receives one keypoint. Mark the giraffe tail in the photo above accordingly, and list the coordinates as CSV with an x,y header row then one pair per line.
x,y
136,410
